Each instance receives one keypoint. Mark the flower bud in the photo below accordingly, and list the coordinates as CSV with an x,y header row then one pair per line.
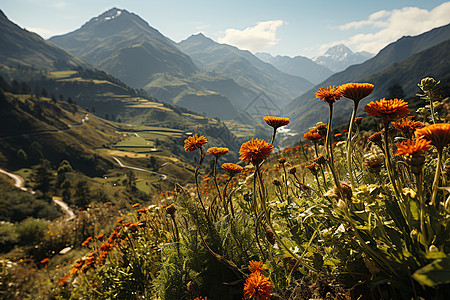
x,y
293,170
171,210
428,84
276,182
270,236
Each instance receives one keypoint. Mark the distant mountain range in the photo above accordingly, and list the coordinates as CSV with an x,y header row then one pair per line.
x,y
404,62
298,66
339,57
244,68
127,47
21,47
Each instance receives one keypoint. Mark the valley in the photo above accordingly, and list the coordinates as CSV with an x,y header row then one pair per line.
x,y
133,166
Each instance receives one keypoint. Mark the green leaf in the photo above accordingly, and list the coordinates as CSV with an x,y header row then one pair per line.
x,y
435,273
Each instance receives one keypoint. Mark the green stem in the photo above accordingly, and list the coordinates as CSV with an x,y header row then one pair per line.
x,y
202,156
419,185
225,197
330,153
431,106
436,178
387,159
350,144
273,136
225,206
269,223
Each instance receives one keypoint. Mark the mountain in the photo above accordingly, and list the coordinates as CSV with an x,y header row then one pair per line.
x,y
340,57
298,66
405,61
244,68
54,129
21,47
126,46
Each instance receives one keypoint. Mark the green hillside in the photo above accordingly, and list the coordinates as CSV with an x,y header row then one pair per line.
x,y
244,68
402,66
29,49
126,46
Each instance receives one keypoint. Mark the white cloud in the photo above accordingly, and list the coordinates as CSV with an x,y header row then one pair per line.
x,y
389,26
256,38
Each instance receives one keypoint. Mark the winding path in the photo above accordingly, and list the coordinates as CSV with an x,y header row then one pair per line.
x,y
163,176
69,126
20,183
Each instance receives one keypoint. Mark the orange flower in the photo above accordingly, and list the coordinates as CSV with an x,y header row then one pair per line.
x,y
438,134
358,121
411,147
100,236
194,142
255,151
276,122
407,124
133,227
106,246
63,281
255,266
329,94
135,205
141,210
356,91
338,134
86,242
45,260
312,135
374,165
257,286
217,151
312,168
201,298
119,221
232,168
389,110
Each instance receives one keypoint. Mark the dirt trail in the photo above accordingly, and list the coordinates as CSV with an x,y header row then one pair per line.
x,y
20,183
163,176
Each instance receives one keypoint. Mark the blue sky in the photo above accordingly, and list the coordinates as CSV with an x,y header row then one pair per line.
x,y
283,27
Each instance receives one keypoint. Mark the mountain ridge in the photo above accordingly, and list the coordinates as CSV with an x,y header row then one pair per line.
x,y
242,66
307,106
297,66
340,57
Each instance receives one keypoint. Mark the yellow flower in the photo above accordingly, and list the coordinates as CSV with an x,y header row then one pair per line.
x,y
312,135
356,91
389,110
255,151
194,142
254,266
217,151
257,286
411,147
276,122
407,124
438,134
232,168
329,94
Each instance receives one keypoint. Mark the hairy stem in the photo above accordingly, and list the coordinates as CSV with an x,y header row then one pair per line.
x,y
350,144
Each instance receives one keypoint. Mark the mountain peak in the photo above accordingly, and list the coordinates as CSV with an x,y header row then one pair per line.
x,y
340,49
109,15
2,15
